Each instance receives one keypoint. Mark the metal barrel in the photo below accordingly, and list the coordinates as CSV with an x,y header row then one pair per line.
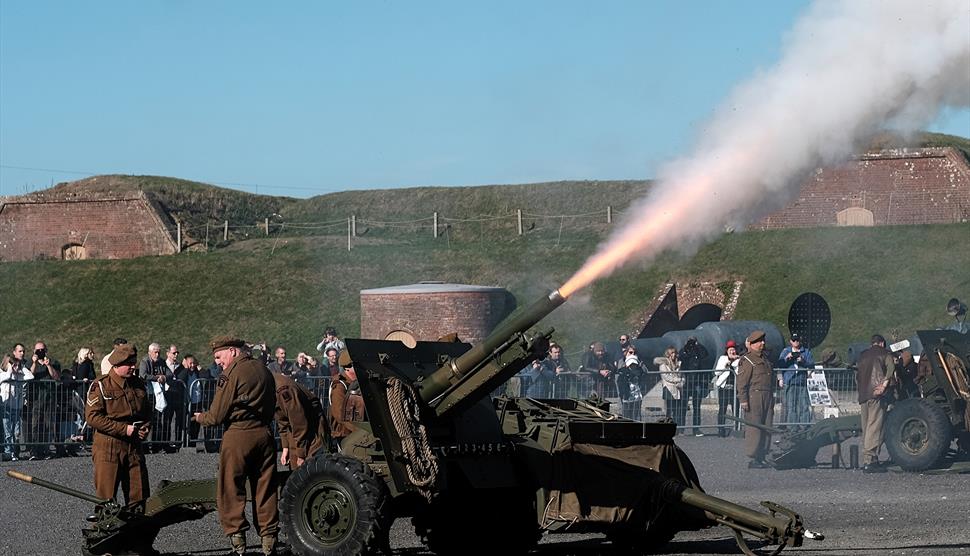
x,y
439,381
56,487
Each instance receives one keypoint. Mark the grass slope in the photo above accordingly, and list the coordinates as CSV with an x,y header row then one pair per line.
x,y
892,280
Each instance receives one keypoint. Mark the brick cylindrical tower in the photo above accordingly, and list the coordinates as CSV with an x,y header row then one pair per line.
x,y
430,310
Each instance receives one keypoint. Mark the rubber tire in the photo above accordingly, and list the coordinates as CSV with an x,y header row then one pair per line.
x,y
924,416
371,519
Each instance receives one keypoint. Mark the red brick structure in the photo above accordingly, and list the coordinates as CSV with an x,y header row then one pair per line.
x,y
83,226
430,310
898,186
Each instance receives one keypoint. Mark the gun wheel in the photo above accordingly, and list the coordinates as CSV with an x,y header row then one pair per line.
x,y
335,506
917,434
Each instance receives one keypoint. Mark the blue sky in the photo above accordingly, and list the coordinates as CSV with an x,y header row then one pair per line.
x,y
307,98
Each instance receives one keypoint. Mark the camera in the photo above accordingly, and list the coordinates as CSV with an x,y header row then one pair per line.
x,y
41,354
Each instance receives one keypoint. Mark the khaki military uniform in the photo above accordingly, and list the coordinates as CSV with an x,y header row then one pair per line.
x,y
113,403
756,387
874,368
346,407
244,402
299,419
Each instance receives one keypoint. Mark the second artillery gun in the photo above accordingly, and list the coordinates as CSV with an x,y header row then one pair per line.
x,y
474,474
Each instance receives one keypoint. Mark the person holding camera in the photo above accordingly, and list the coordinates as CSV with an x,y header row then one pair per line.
x,y
42,401
795,359
119,413
629,384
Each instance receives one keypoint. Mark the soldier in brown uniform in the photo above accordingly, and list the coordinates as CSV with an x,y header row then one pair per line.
x,y
874,371
299,420
118,411
346,403
756,396
244,402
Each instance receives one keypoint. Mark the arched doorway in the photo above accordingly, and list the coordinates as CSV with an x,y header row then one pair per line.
x,y
74,252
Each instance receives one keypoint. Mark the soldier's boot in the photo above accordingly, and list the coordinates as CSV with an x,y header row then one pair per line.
x,y
238,543
269,545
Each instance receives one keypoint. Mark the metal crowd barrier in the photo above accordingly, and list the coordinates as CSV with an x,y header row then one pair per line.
x,y
48,419
702,406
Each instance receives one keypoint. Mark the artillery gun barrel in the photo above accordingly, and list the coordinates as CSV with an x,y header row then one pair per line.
x,y
451,372
758,426
56,487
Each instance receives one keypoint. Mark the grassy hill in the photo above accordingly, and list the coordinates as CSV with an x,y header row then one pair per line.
x,y
286,286
284,291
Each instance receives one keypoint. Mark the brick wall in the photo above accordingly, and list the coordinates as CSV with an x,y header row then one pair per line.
x,y
428,316
916,186
107,228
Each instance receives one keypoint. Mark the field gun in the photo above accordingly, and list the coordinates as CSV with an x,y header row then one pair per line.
x,y
119,529
474,474
439,449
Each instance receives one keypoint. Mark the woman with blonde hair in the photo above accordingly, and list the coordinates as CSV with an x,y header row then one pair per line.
x,y
673,385
83,367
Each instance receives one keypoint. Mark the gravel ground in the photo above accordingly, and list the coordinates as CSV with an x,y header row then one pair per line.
x,y
891,513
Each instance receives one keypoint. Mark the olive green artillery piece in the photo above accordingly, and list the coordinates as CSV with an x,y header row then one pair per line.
x,y
492,475
474,474
119,529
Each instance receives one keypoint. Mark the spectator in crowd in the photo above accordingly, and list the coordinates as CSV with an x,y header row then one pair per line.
x,y
152,370
620,357
795,359
280,364
83,366
958,310
174,415
907,375
330,340
331,367
67,413
673,385
697,384
558,360
304,368
541,379
210,380
629,384
105,364
42,401
13,375
346,403
192,376
874,371
756,396
726,369
598,363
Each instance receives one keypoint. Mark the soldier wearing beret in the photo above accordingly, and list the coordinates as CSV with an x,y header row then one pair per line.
x,y
244,403
299,420
118,411
756,396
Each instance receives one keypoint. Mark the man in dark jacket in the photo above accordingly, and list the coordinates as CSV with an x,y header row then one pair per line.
x,y
693,357
874,371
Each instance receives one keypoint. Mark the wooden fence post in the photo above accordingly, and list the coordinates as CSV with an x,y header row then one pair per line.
x,y
518,216
225,232
609,214
435,232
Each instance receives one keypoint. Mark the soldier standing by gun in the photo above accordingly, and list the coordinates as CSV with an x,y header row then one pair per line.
x,y
244,402
756,396
874,370
119,414
299,417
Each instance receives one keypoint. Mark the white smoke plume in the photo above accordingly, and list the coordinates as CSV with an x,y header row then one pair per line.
x,y
849,69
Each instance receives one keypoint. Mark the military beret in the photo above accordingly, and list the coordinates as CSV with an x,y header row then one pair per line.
x,y
123,354
755,336
344,360
221,342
